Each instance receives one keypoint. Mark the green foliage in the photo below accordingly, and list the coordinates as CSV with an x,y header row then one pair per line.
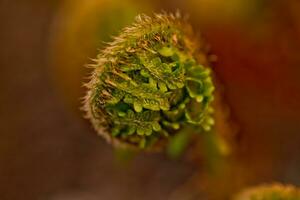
x,y
147,84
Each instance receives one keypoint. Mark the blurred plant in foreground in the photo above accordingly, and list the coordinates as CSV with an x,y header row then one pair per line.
x,y
270,192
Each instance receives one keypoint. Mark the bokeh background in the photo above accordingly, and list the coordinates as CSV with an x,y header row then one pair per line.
x,y
48,151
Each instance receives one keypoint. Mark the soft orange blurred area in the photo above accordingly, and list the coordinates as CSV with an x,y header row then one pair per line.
x,y
47,149
217,11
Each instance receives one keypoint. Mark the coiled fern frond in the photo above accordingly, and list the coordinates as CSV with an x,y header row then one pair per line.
x,y
152,82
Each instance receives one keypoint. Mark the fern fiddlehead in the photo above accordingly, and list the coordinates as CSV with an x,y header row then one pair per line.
x,y
152,82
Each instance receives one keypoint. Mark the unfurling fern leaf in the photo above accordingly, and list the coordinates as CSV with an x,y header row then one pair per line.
x,y
152,82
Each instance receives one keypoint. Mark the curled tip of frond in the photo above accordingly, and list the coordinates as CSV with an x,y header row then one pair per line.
x,y
148,81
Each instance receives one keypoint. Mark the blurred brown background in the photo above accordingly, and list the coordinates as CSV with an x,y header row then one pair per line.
x,y
47,151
